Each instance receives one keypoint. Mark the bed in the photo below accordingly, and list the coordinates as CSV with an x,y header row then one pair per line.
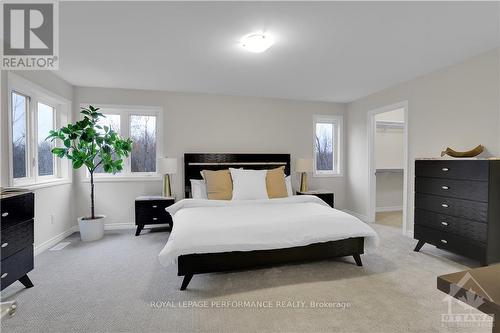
x,y
219,235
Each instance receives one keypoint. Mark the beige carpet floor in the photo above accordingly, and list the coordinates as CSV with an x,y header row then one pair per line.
x,y
117,285
392,219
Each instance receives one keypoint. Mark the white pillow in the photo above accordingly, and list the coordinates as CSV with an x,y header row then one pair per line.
x,y
198,189
288,183
249,184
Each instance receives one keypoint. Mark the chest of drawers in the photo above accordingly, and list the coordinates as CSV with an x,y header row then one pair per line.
x,y
16,238
457,207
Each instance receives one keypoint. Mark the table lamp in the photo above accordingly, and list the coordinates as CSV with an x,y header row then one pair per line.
x,y
303,165
166,167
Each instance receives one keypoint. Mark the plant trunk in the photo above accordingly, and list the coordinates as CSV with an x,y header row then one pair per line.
x,y
92,211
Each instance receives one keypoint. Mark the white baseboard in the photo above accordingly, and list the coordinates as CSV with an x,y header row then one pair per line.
x,y
389,209
362,217
54,240
119,226
124,226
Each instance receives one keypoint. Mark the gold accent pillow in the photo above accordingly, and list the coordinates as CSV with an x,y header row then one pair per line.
x,y
275,183
219,184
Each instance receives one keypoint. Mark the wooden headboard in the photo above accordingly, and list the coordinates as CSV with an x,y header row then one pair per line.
x,y
194,163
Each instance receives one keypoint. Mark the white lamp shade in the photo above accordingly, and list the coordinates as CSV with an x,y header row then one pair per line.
x,y
304,165
167,166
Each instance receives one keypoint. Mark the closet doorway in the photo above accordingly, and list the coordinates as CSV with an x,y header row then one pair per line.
x,y
388,166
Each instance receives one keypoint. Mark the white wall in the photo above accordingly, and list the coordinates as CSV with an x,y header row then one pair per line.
x,y
457,106
389,155
389,191
54,206
210,123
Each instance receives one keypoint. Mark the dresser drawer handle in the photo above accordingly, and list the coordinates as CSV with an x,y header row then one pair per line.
x,y
5,244
444,241
155,218
155,206
445,169
445,187
444,223
4,275
5,214
444,205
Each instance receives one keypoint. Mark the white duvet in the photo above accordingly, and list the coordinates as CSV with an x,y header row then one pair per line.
x,y
211,226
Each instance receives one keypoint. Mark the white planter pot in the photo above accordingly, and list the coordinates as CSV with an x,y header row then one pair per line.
x,y
91,229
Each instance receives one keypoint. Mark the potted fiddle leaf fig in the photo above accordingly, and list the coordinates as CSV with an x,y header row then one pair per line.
x,y
88,144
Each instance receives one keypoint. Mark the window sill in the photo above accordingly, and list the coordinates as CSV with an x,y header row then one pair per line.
x,y
45,184
123,179
327,175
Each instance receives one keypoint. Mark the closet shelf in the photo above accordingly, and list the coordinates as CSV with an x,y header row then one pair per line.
x,y
390,124
389,170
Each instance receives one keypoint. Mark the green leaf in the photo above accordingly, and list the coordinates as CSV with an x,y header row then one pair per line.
x,y
67,143
59,152
77,163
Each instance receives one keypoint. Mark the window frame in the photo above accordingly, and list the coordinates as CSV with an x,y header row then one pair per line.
x,y
338,141
125,112
61,114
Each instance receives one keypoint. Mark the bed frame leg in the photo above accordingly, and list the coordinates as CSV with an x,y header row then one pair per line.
x,y
185,282
357,258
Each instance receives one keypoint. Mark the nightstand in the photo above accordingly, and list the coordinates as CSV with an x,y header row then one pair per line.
x,y
150,210
324,195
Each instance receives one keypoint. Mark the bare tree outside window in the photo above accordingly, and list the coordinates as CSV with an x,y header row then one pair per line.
x,y
324,146
112,121
45,123
143,134
19,112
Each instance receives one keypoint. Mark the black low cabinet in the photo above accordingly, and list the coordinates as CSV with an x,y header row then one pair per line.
x,y
326,196
150,210
457,207
16,238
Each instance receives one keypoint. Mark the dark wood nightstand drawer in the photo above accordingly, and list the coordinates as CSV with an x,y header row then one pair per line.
x,y
16,266
472,230
327,197
447,241
153,208
16,238
453,169
17,209
471,210
461,189
150,211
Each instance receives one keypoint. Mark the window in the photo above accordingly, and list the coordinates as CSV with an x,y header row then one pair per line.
x,y
19,151
33,113
139,124
45,124
143,134
327,145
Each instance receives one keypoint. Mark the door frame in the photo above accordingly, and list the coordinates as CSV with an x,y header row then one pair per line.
x,y
371,161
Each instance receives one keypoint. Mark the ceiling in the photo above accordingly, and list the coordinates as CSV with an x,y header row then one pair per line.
x,y
325,51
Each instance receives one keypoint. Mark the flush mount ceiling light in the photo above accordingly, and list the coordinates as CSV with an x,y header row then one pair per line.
x,y
257,42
